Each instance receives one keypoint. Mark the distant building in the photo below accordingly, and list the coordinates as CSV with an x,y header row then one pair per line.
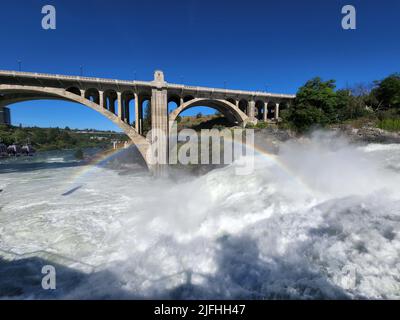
x,y
5,116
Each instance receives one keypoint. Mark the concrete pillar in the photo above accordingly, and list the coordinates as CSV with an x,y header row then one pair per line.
x,y
159,125
265,116
250,111
181,101
120,115
136,112
101,99
82,93
276,111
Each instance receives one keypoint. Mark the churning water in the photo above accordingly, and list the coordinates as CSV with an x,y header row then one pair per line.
x,y
319,220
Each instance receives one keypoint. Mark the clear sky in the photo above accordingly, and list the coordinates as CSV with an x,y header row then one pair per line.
x,y
255,45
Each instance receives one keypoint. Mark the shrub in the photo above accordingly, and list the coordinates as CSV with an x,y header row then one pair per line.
x,y
389,124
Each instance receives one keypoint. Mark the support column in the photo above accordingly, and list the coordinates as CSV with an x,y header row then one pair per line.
x,y
181,102
159,126
250,111
265,116
119,106
276,111
137,112
101,99
82,93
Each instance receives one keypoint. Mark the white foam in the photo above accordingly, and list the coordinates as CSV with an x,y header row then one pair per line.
x,y
322,221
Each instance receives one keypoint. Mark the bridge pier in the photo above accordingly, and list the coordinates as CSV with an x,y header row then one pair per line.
x,y
265,115
136,112
101,99
251,109
159,124
119,105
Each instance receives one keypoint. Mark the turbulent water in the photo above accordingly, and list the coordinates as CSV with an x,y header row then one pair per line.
x,y
319,220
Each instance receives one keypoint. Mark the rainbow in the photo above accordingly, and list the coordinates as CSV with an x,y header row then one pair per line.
x,y
102,158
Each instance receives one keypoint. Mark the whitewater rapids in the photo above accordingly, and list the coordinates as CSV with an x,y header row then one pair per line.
x,y
319,220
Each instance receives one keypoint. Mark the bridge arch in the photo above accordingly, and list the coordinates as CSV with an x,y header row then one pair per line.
x,y
260,109
230,110
92,94
11,94
173,102
231,100
271,110
128,111
74,90
243,105
188,98
110,97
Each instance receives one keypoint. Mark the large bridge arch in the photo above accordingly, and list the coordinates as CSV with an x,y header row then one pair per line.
x,y
227,108
10,94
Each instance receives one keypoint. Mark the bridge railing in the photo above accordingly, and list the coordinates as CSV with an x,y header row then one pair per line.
x,y
44,76
229,91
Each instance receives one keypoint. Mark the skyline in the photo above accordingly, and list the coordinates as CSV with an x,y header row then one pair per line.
x,y
260,46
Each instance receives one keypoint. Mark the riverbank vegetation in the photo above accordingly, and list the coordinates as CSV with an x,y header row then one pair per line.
x,y
319,104
44,139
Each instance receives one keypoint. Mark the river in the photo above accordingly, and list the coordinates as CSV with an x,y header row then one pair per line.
x,y
321,219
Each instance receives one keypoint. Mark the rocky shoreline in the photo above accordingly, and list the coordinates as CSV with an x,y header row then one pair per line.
x,y
368,134
270,140
272,137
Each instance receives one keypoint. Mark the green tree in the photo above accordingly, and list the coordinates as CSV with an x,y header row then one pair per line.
x,y
304,117
147,117
5,135
52,134
39,136
349,105
20,136
387,92
319,94
315,105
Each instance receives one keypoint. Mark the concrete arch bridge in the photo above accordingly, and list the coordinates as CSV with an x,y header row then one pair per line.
x,y
115,99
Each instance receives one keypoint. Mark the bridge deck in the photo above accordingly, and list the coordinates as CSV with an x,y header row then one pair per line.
x,y
42,78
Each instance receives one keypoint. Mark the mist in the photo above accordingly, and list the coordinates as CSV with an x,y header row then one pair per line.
x,y
317,218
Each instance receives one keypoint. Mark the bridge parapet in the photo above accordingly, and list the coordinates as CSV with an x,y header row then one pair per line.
x,y
46,76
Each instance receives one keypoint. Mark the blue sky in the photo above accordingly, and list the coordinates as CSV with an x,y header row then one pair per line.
x,y
249,44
